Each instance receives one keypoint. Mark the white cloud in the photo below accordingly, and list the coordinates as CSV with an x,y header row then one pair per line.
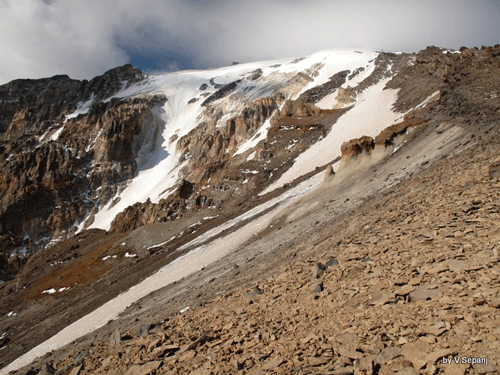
x,y
85,38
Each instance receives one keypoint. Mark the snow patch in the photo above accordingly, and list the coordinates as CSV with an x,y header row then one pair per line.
x,y
372,114
57,133
426,101
81,109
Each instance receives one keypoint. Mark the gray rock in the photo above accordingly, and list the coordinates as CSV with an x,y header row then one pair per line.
x,y
79,358
318,271
76,370
116,337
144,329
318,288
485,369
329,173
47,370
494,170
332,262
144,369
388,354
421,293
254,292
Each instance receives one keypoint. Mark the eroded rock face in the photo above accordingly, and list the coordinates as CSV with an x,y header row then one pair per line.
x,y
207,144
315,94
56,170
357,146
298,108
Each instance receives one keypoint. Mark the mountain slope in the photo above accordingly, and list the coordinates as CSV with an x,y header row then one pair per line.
x,y
431,126
80,153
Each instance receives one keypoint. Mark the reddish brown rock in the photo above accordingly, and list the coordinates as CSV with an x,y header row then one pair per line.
x,y
357,146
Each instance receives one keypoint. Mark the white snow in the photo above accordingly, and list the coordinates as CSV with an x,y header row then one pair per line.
x,y
337,60
247,171
178,117
210,217
329,101
371,114
55,290
162,243
57,133
181,311
43,136
426,101
81,109
11,314
127,255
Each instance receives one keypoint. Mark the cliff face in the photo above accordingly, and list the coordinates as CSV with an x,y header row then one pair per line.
x,y
56,167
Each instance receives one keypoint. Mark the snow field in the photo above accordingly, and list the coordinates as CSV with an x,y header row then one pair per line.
x,y
158,160
371,114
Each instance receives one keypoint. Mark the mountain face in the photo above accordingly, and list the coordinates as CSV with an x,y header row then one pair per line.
x,y
144,149
106,181
125,149
52,165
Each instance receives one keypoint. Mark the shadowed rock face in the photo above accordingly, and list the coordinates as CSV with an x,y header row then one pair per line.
x,y
357,146
55,171
315,94
28,105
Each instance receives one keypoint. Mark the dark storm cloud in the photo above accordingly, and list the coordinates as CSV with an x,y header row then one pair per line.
x,y
81,38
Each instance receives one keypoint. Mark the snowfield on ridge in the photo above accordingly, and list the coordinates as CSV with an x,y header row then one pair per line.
x,y
179,116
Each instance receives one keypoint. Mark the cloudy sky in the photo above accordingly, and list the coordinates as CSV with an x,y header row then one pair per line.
x,y
84,38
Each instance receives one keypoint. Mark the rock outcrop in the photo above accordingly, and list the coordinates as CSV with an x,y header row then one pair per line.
x,y
315,94
56,170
